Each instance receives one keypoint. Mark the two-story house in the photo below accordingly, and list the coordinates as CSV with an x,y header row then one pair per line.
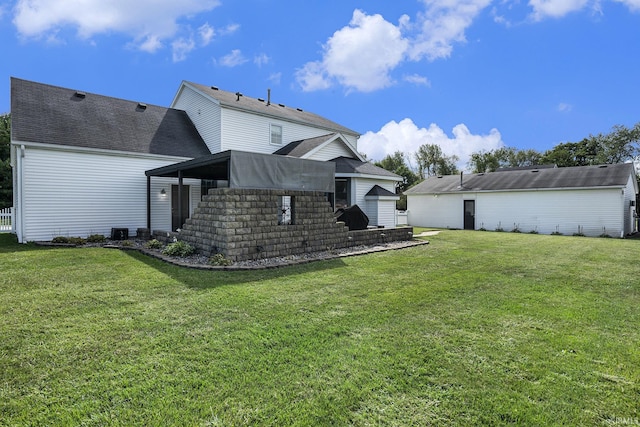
x,y
79,159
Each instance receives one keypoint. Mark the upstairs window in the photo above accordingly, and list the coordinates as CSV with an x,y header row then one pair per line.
x,y
276,134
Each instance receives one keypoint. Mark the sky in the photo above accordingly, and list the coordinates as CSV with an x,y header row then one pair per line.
x,y
469,76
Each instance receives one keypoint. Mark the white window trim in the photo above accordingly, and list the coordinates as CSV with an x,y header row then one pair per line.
x,y
271,126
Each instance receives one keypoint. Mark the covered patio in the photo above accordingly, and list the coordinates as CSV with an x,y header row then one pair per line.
x,y
244,170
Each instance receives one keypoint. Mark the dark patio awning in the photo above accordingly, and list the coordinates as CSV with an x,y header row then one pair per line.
x,y
255,170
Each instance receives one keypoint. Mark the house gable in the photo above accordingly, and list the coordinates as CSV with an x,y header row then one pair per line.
x,y
326,147
233,121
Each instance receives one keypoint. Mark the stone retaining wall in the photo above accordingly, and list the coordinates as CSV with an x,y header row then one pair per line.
x,y
244,224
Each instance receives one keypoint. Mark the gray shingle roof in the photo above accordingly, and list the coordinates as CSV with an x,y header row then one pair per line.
x,y
347,165
55,115
279,111
302,147
376,190
553,178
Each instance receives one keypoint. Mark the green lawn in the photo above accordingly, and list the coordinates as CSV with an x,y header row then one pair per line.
x,y
476,328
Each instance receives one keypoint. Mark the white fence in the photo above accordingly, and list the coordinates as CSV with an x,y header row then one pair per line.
x,y
6,220
402,218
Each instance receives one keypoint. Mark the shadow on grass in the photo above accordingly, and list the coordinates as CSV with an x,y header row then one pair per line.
x,y
207,279
9,243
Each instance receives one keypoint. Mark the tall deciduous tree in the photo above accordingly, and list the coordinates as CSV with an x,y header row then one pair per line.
x,y
397,164
6,186
432,161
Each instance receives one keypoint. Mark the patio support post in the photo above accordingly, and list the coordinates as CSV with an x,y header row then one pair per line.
x,y
180,213
149,203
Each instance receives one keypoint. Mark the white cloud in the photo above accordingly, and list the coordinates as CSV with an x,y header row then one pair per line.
x,y
563,107
275,78
148,22
233,59
555,8
181,48
359,56
150,43
418,80
442,24
261,59
229,29
206,33
313,76
634,5
406,137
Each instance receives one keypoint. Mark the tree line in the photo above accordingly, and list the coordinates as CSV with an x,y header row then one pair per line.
x,y
620,145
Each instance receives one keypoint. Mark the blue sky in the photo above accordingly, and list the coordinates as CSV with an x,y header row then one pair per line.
x,y
467,75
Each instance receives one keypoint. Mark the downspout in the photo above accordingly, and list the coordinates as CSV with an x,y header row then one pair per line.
x,y
19,214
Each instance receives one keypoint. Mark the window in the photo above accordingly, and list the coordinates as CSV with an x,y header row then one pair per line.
x,y
276,134
286,210
342,193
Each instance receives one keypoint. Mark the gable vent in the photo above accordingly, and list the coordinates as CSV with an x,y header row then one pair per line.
x,y
80,94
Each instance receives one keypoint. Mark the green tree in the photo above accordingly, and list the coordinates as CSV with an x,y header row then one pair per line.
x,y
432,161
396,163
618,146
6,186
505,157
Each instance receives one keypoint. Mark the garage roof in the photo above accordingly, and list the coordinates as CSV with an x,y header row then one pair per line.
x,y
616,175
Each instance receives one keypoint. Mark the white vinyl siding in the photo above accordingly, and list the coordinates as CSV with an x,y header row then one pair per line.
x,y
205,115
251,132
441,211
590,211
360,187
70,193
331,151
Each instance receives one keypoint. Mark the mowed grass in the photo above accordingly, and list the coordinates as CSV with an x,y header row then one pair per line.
x,y
476,328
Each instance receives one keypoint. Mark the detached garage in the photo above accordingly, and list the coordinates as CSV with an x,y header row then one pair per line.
x,y
592,200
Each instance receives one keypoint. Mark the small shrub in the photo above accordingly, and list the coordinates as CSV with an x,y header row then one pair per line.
x,y
77,240
96,238
153,244
179,248
605,236
69,240
556,233
219,259
533,232
516,228
126,243
499,228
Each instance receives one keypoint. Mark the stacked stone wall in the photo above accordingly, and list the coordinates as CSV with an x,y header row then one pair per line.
x,y
243,224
